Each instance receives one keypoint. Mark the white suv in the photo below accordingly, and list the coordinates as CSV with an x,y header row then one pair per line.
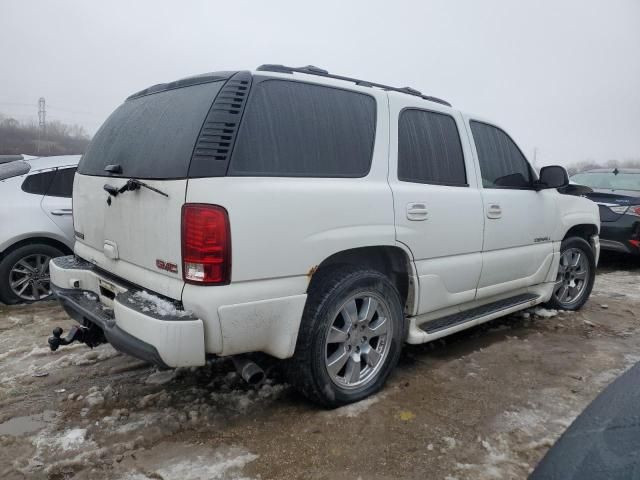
x,y
316,218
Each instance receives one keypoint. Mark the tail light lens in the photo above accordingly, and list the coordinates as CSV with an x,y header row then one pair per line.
x,y
634,210
206,244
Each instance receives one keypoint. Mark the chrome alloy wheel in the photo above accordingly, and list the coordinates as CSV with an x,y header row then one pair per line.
x,y
573,276
29,277
358,340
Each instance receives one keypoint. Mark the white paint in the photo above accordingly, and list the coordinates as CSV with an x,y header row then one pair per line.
x,y
459,249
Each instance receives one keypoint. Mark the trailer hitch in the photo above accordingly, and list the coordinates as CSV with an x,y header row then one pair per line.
x,y
90,335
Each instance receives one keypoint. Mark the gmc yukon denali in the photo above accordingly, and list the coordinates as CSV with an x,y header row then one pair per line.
x,y
319,219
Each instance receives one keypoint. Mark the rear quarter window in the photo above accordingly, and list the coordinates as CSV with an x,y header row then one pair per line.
x,y
62,184
295,129
38,183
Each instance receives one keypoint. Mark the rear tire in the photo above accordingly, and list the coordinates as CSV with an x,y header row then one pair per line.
x,y
24,273
350,338
576,274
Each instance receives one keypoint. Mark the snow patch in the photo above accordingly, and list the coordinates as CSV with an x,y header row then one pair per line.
x,y
222,463
158,305
357,408
160,377
545,313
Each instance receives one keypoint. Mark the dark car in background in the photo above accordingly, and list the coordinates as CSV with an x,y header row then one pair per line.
x,y
617,193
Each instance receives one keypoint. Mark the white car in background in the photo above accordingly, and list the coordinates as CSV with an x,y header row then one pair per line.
x,y
35,214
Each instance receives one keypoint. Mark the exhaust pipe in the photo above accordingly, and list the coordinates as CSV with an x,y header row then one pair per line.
x,y
248,370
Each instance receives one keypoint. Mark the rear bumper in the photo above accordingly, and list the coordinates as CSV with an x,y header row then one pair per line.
x,y
622,235
130,324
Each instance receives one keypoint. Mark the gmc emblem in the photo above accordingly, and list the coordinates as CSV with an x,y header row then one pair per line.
x,y
168,266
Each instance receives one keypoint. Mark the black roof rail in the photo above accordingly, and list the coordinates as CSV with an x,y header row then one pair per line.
x,y
312,70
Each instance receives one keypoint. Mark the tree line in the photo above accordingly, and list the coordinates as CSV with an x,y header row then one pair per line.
x,y
26,137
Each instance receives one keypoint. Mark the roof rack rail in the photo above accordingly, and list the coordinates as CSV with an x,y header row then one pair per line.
x,y
313,70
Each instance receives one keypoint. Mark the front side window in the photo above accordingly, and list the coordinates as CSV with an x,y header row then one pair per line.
x,y
295,129
429,149
502,164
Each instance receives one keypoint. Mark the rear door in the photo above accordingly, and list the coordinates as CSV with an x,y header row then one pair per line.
x,y
438,207
519,220
136,234
57,202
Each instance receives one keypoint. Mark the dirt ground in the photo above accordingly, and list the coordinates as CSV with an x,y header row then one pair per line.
x,y
483,404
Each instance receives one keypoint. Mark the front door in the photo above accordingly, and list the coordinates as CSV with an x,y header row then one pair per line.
x,y
437,203
517,249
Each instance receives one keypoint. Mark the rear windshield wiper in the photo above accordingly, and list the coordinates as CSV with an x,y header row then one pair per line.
x,y
131,185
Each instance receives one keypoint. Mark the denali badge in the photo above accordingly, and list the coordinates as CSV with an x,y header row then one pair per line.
x,y
168,266
541,239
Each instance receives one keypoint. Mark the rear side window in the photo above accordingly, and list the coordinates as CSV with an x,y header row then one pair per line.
x,y
429,149
502,164
151,136
38,183
62,183
293,129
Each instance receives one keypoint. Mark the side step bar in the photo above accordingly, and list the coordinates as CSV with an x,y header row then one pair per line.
x,y
456,319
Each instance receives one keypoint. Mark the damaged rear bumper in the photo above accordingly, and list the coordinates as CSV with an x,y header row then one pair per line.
x,y
129,323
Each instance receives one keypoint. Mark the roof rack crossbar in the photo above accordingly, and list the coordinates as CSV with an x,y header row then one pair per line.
x,y
312,70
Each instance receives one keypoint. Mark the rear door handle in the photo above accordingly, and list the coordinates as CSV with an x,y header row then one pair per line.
x,y
494,211
417,212
61,211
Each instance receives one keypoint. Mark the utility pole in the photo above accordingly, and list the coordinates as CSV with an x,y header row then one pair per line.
x,y
42,122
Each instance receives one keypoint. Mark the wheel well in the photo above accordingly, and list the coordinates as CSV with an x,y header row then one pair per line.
x,y
29,241
390,261
585,231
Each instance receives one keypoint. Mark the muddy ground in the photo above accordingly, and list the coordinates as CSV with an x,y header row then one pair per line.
x,y
483,404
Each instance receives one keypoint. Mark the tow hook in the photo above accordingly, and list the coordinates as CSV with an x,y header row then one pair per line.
x,y
91,335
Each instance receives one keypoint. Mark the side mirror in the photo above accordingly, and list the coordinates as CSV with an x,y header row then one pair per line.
x,y
553,176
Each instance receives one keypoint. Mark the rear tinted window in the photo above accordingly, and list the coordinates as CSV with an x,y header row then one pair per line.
x,y
429,149
151,136
38,183
298,129
62,184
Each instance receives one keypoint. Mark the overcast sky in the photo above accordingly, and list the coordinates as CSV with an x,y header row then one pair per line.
x,y
562,76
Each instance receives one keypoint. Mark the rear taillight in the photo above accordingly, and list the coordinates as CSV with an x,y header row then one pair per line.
x,y
634,210
206,244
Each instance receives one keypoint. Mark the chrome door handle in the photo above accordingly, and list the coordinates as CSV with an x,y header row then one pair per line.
x,y
61,211
417,211
494,211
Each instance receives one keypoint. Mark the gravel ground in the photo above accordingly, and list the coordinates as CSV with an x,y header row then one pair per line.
x,y
483,404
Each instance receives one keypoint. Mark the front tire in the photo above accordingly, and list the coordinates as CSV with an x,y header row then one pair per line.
x,y
24,273
576,274
350,338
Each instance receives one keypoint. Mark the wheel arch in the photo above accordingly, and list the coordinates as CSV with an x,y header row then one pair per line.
x,y
393,261
53,242
583,230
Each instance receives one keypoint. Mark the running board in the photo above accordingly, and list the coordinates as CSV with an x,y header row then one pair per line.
x,y
456,319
